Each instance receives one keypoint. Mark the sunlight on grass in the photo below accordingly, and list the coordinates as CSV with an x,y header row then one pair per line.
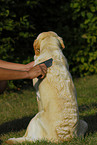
x,y
19,107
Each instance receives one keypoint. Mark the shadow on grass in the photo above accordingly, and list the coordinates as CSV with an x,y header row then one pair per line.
x,y
91,119
15,125
85,107
92,123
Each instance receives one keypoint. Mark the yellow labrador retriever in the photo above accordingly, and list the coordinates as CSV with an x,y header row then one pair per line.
x,y
58,116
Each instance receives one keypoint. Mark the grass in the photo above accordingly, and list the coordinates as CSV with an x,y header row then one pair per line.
x,y
18,107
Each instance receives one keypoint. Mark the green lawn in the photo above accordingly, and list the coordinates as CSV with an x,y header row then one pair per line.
x,y
18,107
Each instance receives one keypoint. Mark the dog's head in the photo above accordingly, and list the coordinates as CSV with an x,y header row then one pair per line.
x,y
44,35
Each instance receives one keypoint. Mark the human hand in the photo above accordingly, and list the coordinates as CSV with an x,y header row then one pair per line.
x,y
37,71
29,65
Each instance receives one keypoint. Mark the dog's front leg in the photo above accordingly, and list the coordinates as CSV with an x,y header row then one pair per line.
x,y
40,106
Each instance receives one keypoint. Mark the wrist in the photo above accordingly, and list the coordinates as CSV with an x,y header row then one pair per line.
x,y
26,68
29,66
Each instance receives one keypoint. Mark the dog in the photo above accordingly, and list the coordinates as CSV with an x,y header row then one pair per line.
x,y
58,116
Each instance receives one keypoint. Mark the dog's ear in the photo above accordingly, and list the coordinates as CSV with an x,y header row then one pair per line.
x,y
36,46
61,42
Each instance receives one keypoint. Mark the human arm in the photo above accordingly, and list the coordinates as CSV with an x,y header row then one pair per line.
x,y
16,66
8,74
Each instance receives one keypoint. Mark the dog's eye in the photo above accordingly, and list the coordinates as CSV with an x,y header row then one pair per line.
x,y
37,50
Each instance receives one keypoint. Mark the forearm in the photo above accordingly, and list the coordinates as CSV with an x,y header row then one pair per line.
x,y
6,74
34,72
12,66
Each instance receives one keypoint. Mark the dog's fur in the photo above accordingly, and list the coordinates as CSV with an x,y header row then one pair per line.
x,y
58,116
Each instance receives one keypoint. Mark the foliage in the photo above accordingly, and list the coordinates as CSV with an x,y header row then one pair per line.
x,y
15,30
84,12
75,21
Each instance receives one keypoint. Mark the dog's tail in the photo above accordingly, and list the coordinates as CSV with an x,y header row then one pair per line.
x,y
83,126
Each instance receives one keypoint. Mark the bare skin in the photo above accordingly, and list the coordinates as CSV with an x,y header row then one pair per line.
x,y
14,71
16,66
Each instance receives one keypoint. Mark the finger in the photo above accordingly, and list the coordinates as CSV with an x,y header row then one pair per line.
x,y
43,65
43,74
44,68
43,71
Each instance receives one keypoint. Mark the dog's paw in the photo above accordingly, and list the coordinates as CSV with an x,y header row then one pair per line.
x,y
10,141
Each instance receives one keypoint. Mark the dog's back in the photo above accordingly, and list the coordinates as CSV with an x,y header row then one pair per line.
x,y
56,92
